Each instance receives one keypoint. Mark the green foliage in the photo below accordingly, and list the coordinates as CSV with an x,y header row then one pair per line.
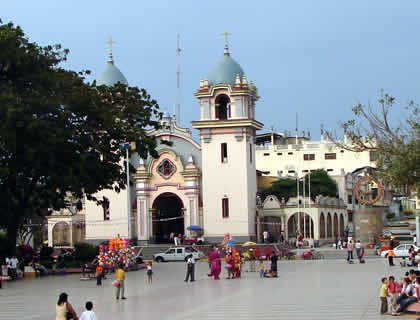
x,y
321,184
85,252
58,134
390,215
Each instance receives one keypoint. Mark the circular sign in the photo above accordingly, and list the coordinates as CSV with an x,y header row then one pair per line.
x,y
365,196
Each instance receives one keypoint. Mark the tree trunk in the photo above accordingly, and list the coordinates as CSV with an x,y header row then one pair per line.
x,y
11,238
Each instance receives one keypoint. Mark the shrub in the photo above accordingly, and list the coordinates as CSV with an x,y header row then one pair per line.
x,y
408,213
390,215
24,251
85,252
46,252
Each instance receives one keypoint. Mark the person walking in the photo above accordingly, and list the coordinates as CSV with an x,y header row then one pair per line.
x,y
149,273
63,309
99,274
190,269
391,255
175,240
120,277
274,259
358,247
350,252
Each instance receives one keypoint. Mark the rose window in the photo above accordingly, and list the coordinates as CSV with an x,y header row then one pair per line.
x,y
166,169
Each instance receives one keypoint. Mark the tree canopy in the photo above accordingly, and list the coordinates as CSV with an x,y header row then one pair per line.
x,y
395,143
321,184
60,135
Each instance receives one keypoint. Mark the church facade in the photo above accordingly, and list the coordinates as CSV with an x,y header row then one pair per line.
x,y
211,184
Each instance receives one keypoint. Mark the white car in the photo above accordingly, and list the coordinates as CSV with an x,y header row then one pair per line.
x,y
401,250
178,254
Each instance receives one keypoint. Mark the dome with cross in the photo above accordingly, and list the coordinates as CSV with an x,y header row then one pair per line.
x,y
226,69
111,75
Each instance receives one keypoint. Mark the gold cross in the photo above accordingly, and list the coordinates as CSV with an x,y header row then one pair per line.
x,y
110,42
226,35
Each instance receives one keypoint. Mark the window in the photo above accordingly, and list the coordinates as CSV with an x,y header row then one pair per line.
x,y
266,154
224,154
170,251
330,156
291,171
342,151
222,109
105,207
179,250
250,153
290,153
225,208
305,170
350,215
309,157
279,153
330,170
373,155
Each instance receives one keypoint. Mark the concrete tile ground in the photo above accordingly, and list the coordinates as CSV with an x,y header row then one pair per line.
x,y
323,289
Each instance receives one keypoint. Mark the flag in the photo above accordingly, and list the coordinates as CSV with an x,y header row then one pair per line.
x,y
133,145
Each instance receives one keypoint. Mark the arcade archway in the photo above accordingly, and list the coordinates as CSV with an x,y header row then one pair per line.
x,y
61,234
300,223
322,226
167,217
329,226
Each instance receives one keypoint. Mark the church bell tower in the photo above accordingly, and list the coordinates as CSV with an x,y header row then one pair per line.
x,y
227,129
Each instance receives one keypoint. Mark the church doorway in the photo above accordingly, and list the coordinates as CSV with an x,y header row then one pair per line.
x,y
167,217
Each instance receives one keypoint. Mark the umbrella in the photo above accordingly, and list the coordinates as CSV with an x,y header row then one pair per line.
x,y
194,228
230,243
249,244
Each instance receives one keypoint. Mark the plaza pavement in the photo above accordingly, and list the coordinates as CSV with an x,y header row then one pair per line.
x,y
322,289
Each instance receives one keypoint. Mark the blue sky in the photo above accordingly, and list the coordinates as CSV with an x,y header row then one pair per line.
x,y
316,58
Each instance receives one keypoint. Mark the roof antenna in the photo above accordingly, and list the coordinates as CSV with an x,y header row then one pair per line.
x,y
177,110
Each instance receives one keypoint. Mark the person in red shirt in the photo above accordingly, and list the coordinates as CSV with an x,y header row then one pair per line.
x,y
392,289
268,252
257,253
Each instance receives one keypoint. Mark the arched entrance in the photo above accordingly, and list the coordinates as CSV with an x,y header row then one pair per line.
x,y
300,223
322,226
167,216
329,226
335,225
61,234
341,225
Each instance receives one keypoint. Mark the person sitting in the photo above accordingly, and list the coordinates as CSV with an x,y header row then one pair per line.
x,y
268,273
409,295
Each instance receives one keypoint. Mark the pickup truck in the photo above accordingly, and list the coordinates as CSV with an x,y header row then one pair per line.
x,y
177,254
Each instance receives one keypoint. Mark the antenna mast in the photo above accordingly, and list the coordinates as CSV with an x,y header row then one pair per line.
x,y
177,110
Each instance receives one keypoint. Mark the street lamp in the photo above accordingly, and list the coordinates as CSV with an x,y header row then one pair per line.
x,y
126,146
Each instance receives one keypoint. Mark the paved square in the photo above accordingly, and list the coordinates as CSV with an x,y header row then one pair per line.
x,y
324,289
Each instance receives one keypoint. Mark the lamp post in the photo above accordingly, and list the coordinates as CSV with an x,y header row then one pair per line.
x,y
126,146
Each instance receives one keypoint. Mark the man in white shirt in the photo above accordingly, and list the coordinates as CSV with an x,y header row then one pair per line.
x,y
88,314
265,236
13,266
190,268
358,247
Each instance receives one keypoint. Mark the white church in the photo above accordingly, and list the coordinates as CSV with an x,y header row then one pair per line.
x,y
213,184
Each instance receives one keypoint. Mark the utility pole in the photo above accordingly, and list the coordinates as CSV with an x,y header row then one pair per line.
x,y
177,110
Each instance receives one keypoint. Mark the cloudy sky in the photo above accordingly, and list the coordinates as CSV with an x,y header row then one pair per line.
x,y
314,58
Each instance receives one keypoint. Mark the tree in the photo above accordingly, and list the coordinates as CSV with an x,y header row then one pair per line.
x,y
396,147
321,184
58,134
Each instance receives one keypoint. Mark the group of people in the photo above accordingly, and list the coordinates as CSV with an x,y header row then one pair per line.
x,y
350,246
64,310
12,267
177,239
236,263
400,294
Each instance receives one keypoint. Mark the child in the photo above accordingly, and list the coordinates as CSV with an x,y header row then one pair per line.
x,y
403,263
261,269
149,273
392,290
88,314
383,294
99,272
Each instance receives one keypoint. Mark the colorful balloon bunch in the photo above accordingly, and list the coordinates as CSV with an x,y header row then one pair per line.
x,y
116,252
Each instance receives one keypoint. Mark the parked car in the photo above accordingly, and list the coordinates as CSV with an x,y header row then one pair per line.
x,y
401,250
178,254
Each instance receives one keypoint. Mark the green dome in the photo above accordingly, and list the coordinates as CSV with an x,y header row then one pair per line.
x,y
225,71
111,76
